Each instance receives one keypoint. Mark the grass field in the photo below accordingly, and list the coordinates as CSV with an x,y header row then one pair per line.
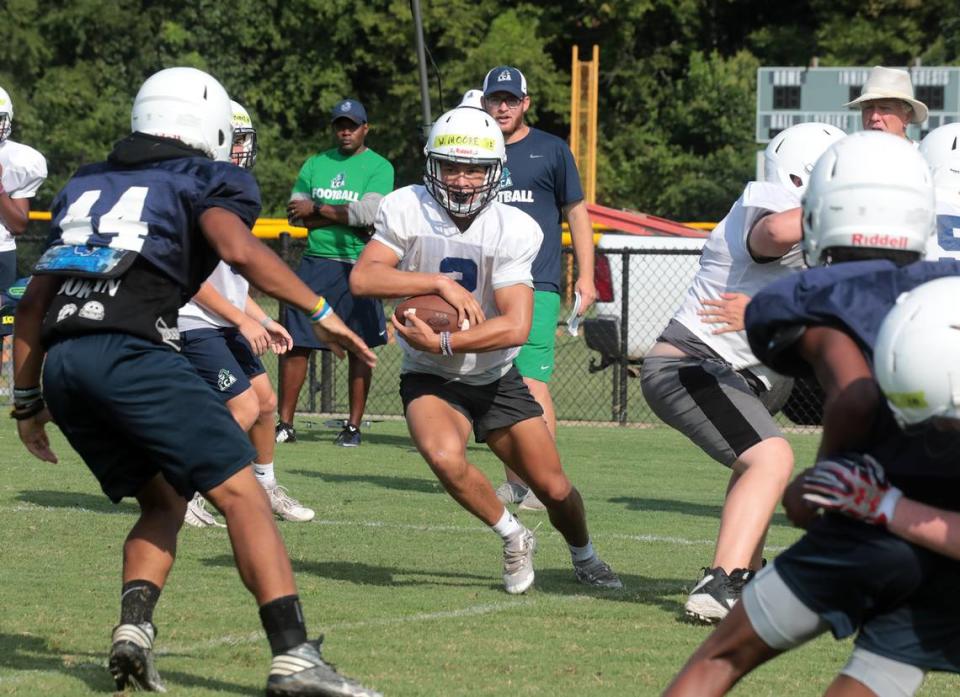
x,y
405,585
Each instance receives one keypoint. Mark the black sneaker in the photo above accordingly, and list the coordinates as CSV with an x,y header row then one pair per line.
x,y
716,593
302,672
349,437
131,658
286,433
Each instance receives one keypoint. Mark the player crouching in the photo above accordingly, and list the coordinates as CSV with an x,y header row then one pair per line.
x,y
452,238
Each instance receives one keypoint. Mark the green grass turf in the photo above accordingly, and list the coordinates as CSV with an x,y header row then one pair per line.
x,y
403,582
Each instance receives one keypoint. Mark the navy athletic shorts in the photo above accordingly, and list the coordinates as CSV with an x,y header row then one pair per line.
x,y
133,408
331,279
499,404
900,597
223,358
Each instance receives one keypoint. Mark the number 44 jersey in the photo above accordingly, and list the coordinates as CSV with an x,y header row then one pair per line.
x,y
496,251
145,202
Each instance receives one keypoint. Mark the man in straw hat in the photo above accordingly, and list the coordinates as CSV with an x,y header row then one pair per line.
x,y
886,102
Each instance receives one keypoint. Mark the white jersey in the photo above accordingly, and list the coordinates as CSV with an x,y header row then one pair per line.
x,y
496,251
230,285
24,170
726,266
945,244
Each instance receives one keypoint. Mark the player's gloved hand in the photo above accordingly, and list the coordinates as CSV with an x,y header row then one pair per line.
x,y
418,334
467,306
33,434
257,336
339,338
727,312
854,485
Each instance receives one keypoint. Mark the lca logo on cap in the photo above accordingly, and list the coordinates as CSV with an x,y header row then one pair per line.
x,y
346,106
504,76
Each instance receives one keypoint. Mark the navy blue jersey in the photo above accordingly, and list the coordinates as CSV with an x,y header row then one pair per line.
x,y
855,298
540,178
147,198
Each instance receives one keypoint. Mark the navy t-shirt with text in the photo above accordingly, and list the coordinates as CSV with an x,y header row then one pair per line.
x,y
540,178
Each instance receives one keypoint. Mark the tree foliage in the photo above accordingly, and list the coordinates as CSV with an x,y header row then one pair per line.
x,y
678,77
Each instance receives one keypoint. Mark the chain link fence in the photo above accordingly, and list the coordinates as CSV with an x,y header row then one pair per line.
x,y
596,379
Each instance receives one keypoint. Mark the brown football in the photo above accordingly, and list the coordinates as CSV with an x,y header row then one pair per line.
x,y
432,309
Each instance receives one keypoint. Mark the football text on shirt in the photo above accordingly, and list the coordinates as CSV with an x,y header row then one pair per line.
x,y
518,196
318,193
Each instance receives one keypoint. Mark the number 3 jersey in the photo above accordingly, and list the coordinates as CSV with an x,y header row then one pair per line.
x,y
496,251
146,199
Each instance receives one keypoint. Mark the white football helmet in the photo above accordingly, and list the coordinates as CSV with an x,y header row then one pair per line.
x,y
472,98
6,115
869,191
244,151
186,104
791,155
466,136
917,353
941,149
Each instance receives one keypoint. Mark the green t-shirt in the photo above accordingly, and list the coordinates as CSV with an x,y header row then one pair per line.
x,y
333,178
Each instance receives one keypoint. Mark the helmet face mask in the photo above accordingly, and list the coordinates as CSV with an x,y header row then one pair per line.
x,y
917,356
462,141
243,153
6,115
870,195
188,105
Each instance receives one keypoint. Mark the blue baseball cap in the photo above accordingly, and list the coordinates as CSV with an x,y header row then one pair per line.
x,y
503,78
349,109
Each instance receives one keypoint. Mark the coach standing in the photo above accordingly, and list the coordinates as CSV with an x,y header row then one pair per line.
x,y
336,197
541,179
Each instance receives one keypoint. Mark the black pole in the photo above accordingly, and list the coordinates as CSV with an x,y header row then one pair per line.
x,y
624,329
422,62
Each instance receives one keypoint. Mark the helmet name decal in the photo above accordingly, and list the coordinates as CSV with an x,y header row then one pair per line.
x,y
445,139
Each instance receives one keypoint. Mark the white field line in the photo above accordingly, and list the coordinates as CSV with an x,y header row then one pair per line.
x,y
457,529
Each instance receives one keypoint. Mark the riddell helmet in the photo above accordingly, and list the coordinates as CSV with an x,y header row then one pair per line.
x,y
869,191
917,353
791,155
6,115
467,136
186,104
244,151
941,149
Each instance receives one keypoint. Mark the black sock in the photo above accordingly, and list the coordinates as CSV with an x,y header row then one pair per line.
x,y
282,619
137,600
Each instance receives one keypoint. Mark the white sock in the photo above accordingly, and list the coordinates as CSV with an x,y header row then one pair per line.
x,y
581,554
507,526
265,475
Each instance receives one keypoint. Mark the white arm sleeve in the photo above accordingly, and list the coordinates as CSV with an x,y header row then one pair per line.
x,y
363,213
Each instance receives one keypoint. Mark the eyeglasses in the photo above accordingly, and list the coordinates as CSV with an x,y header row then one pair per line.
x,y
494,101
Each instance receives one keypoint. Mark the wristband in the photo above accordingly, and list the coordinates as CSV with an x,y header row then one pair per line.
x,y
316,210
27,411
265,322
888,505
321,310
446,348
25,395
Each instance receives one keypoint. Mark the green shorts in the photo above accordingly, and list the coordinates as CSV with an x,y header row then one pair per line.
x,y
535,359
